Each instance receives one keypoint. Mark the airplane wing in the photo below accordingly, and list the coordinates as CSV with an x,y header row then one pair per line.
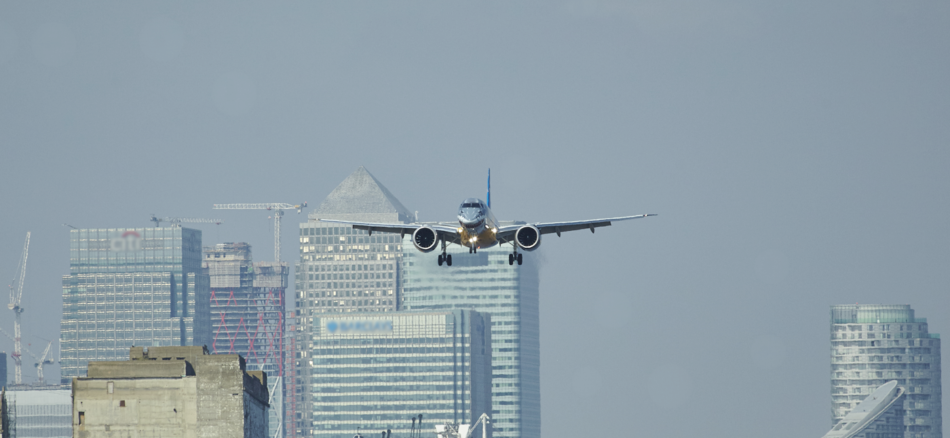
x,y
450,234
507,234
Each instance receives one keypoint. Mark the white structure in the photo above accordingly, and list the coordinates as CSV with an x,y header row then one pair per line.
x,y
880,415
44,411
872,344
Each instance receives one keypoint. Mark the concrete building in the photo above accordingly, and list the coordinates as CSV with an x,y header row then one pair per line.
x,y
486,283
38,411
170,392
872,344
879,415
131,286
373,371
342,270
247,306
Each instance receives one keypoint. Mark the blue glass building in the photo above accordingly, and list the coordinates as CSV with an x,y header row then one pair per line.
x,y
486,283
373,371
131,287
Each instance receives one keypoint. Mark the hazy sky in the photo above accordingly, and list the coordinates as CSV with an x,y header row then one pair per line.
x,y
796,152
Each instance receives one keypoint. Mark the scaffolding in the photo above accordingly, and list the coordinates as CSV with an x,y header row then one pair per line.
x,y
248,315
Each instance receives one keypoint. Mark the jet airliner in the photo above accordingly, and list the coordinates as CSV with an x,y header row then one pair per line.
x,y
478,229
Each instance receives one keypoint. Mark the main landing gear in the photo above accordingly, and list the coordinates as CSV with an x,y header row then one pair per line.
x,y
512,257
445,258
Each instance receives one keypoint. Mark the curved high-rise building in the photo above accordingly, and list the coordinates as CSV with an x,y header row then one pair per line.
x,y
872,344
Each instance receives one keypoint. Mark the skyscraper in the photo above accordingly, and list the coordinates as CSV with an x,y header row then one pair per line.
x,y
131,287
874,343
376,370
247,309
486,283
342,270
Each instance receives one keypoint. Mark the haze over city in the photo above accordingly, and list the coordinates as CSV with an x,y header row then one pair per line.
x,y
796,155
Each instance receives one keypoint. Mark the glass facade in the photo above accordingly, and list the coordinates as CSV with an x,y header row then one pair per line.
x,y
247,309
872,344
374,371
40,413
486,283
346,270
131,287
342,270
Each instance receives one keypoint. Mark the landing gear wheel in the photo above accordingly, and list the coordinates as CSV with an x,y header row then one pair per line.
x,y
440,260
474,250
519,259
470,250
511,259
448,259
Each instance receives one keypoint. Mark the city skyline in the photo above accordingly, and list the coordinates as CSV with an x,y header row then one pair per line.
x,y
796,153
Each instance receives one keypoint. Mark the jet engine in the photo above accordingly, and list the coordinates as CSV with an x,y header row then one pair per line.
x,y
528,238
425,239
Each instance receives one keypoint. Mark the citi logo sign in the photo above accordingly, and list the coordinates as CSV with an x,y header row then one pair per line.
x,y
130,241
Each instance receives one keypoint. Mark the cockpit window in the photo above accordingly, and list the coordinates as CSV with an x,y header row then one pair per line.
x,y
469,205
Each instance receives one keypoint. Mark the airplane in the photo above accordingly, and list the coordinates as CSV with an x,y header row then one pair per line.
x,y
478,229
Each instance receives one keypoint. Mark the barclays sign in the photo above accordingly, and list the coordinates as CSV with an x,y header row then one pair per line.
x,y
358,327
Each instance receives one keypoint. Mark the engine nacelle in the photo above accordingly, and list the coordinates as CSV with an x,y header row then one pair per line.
x,y
528,238
425,239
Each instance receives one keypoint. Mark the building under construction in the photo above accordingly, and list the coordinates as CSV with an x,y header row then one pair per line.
x,y
247,316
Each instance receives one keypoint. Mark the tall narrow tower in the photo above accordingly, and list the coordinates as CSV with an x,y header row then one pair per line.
x,y
872,344
247,307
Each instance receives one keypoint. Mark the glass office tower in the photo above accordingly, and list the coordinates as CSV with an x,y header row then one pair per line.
x,y
875,343
39,412
486,283
373,371
247,316
342,270
131,287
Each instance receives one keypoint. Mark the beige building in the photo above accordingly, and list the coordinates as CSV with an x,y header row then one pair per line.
x,y
171,392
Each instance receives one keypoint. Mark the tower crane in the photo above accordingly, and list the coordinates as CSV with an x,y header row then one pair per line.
x,y
40,360
279,211
179,220
16,293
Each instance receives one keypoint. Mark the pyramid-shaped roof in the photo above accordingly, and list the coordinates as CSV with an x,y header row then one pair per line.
x,y
361,197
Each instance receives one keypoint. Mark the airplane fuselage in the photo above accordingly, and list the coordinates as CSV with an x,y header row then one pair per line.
x,y
477,224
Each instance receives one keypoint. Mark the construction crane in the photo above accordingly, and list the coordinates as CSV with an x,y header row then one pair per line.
x,y
40,360
16,294
179,220
278,207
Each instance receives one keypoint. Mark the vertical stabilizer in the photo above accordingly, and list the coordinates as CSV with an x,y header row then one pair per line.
x,y
489,188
